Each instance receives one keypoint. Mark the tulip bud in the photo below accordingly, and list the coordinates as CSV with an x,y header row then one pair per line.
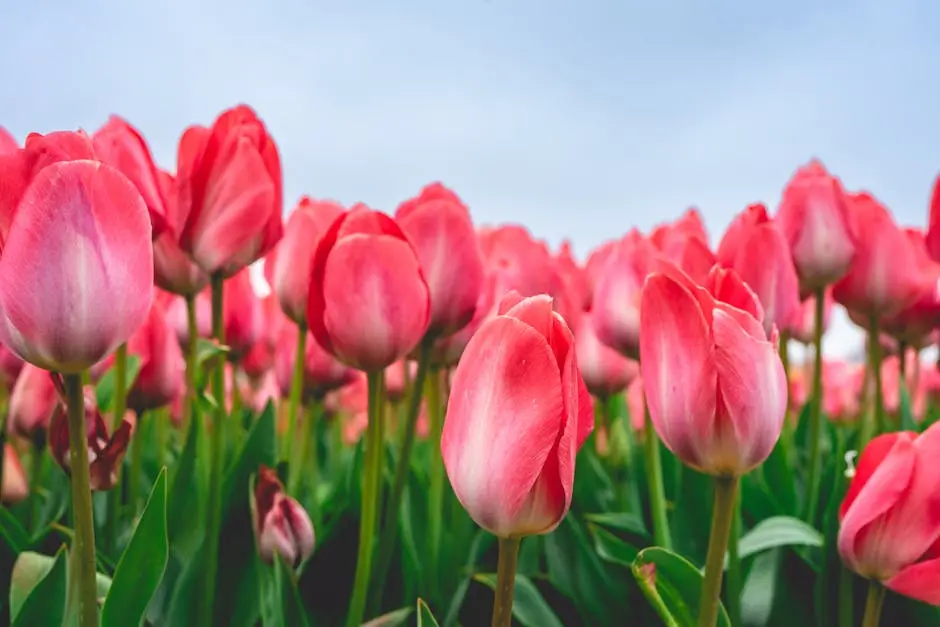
x,y
605,371
914,324
105,453
517,415
369,304
281,525
715,387
15,486
31,403
890,518
162,366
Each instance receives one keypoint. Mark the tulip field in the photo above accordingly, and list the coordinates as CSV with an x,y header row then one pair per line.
x,y
226,407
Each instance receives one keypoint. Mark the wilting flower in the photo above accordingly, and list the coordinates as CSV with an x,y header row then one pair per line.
x,y
281,525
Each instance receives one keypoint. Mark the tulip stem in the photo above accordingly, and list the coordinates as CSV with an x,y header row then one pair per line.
x,y
214,514
846,597
654,477
392,505
191,343
733,585
785,352
815,413
120,386
432,388
505,581
306,449
873,604
83,585
296,387
726,488
873,422
372,475
35,481
137,468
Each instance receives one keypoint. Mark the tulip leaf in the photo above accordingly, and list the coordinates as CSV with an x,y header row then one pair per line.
x,y
105,388
757,596
425,617
38,590
259,448
620,521
142,564
778,531
612,549
673,586
392,619
12,532
206,351
186,496
529,608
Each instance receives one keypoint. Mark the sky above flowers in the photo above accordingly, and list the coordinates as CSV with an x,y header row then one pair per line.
x,y
577,118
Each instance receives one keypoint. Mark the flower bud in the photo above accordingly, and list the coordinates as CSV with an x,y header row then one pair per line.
x,y
281,525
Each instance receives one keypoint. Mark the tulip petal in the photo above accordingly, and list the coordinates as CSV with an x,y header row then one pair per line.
x,y
753,394
765,264
874,453
507,377
677,364
919,581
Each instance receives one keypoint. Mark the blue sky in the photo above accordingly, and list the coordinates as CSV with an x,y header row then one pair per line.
x,y
578,118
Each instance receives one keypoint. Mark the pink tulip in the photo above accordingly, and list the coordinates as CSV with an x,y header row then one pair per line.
x,y
439,227
281,525
121,146
715,387
517,415
573,276
8,143
594,266
162,366
761,258
31,403
260,358
396,381
177,316
68,310
292,260
173,269
890,518
914,324
242,315
802,324
885,276
230,184
685,243
322,372
616,311
15,486
636,404
842,390
932,238
689,224
605,371
447,350
369,303
815,217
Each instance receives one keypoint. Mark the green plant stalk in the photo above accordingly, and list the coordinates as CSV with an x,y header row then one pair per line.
x,y
784,351
505,581
873,422
432,388
654,477
846,597
873,604
726,489
116,493
305,462
82,583
293,405
162,419
214,514
815,413
371,494
189,407
35,484
393,503
137,468
734,584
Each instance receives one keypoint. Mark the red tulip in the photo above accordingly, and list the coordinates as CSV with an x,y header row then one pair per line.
x,y
369,303
890,517
76,271
574,277
260,358
439,227
230,183
322,372
716,389
105,452
8,143
616,311
914,324
120,145
292,260
885,276
281,525
242,315
162,366
605,371
31,403
761,258
594,266
173,269
802,324
517,415
15,487
815,217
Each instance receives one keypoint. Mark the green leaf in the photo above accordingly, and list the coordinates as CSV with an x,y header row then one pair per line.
x,y
142,565
673,586
757,596
104,389
12,532
620,521
481,542
37,596
259,448
778,531
206,351
611,548
425,617
528,606
392,619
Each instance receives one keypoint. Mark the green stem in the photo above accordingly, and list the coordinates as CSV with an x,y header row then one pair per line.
x,y
35,483
214,515
161,426
392,505
846,597
654,477
191,343
370,499
505,581
82,581
296,387
733,585
116,494
120,386
873,421
722,516
873,604
815,414
304,451
137,468
432,388
785,352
